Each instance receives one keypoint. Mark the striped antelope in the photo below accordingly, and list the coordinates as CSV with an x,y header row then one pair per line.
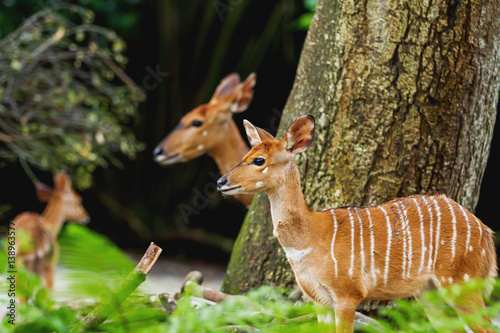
x,y
210,129
343,256
39,252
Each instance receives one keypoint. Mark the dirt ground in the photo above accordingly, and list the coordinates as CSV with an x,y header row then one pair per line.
x,y
166,276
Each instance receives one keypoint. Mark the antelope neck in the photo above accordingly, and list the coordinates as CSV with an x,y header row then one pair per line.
x,y
231,151
290,213
53,217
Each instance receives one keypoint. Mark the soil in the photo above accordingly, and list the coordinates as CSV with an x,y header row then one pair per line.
x,y
166,276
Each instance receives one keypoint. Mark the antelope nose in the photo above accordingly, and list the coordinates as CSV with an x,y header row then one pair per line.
x,y
221,182
158,151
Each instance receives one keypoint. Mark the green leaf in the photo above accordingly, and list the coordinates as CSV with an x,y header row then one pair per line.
x,y
304,21
310,5
60,102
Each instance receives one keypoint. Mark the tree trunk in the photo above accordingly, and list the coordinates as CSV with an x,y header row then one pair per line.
x,y
404,94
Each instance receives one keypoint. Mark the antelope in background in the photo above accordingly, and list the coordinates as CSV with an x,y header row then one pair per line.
x,y
41,252
210,129
343,256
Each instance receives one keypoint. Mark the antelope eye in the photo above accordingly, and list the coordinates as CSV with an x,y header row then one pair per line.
x,y
197,123
259,161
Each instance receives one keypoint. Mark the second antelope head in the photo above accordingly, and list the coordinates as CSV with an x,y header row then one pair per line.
x,y
207,127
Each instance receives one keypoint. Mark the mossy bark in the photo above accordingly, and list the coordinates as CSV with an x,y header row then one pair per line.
x,y
404,94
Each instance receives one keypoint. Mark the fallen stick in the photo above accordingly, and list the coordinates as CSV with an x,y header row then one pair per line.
x,y
196,276
109,306
207,293
194,279
168,302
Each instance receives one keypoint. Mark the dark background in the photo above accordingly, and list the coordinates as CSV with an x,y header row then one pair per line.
x,y
196,43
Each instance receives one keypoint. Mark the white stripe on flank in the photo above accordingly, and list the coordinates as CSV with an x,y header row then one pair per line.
x,y
361,242
467,241
431,218
351,219
438,229
389,240
480,230
410,242
422,236
403,236
454,225
372,247
333,241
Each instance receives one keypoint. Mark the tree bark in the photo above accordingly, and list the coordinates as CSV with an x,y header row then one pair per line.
x,y
404,94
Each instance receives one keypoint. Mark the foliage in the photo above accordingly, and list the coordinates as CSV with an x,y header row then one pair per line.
x,y
121,15
304,21
408,315
66,102
96,268
94,264
265,309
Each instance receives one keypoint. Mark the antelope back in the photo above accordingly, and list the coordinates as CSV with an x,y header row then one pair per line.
x,y
412,240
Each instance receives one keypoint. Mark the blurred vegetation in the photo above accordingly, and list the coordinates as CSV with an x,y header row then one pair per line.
x,y
176,51
121,15
304,21
65,100
95,268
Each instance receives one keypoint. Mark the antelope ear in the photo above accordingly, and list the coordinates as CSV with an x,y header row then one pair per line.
x,y
300,134
43,192
264,135
252,133
62,181
227,86
245,94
